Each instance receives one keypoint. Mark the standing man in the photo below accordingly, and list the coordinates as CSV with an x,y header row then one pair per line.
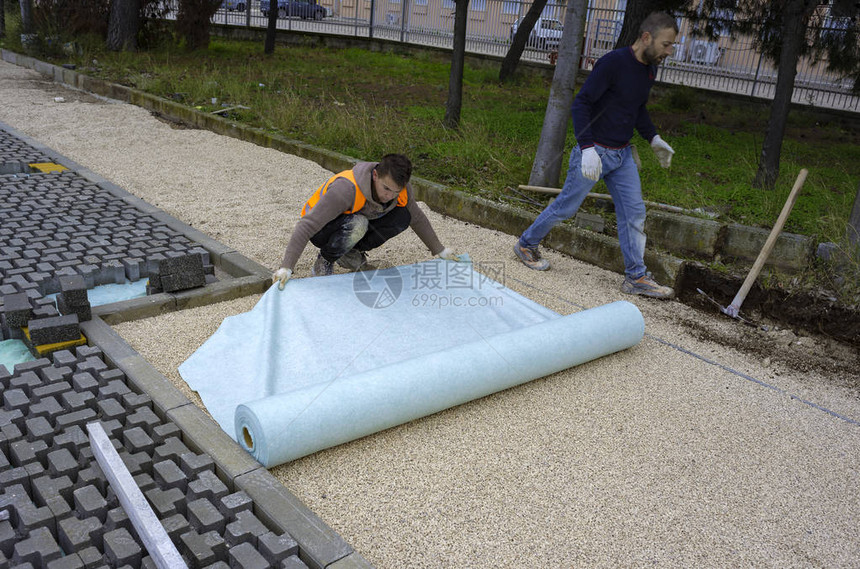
x,y
609,106
355,211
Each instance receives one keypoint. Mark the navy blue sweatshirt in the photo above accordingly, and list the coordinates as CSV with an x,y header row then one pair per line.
x,y
612,101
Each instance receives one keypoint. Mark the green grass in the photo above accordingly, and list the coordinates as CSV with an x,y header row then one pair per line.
x,y
365,104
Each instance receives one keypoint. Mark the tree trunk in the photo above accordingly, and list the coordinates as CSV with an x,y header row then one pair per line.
x,y
123,25
546,169
26,16
458,56
854,220
793,34
518,42
193,21
271,28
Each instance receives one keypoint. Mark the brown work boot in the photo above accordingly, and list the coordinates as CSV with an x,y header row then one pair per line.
x,y
646,286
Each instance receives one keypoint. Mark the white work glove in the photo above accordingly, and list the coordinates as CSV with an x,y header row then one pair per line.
x,y
449,255
663,151
282,275
591,164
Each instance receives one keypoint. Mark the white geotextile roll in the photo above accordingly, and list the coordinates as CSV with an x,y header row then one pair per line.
x,y
283,427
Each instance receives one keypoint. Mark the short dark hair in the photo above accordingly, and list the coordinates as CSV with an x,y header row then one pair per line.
x,y
397,166
657,21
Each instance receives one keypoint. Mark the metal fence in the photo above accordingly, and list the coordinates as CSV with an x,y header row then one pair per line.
x,y
726,64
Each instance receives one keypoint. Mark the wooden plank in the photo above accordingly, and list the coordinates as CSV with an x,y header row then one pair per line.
x,y
149,528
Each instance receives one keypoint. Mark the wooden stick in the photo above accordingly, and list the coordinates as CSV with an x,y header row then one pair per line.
x,y
655,205
733,309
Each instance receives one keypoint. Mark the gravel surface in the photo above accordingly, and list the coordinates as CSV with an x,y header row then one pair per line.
x,y
680,452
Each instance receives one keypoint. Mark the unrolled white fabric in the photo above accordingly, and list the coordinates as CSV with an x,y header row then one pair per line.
x,y
330,359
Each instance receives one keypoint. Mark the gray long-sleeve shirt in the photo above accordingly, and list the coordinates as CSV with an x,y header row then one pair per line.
x,y
339,198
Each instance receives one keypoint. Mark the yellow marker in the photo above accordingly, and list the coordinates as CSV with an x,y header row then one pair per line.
x,y
47,167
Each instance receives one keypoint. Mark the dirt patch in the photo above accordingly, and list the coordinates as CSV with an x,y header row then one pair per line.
x,y
788,327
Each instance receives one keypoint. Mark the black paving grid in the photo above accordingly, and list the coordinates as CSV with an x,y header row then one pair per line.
x,y
62,232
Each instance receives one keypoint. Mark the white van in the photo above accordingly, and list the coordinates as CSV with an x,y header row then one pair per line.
x,y
546,34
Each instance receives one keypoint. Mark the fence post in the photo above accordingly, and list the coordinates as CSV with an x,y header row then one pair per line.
x,y
403,13
757,69
372,12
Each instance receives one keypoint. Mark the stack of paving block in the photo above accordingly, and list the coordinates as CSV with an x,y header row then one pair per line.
x,y
177,272
42,330
73,298
59,511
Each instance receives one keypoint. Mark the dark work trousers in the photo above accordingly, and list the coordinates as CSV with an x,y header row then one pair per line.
x,y
350,231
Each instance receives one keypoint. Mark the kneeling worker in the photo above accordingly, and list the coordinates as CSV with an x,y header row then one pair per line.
x,y
355,211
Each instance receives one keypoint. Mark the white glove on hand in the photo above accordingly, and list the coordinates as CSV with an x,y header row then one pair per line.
x,y
282,275
449,255
591,164
663,151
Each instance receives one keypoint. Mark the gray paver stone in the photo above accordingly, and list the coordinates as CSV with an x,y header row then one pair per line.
x,y
168,475
203,550
292,562
206,485
246,529
204,516
175,526
193,464
8,538
121,548
136,440
38,428
69,561
277,547
163,432
39,548
90,502
91,557
232,504
24,452
62,463
166,502
172,449
77,534
244,556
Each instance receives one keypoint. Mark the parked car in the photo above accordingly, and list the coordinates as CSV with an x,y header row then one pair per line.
x,y
234,5
294,9
545,35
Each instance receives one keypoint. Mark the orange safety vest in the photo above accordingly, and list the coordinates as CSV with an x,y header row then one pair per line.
x,y
360,200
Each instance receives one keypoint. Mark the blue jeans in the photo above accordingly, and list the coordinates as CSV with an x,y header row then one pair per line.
x,y
622,180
